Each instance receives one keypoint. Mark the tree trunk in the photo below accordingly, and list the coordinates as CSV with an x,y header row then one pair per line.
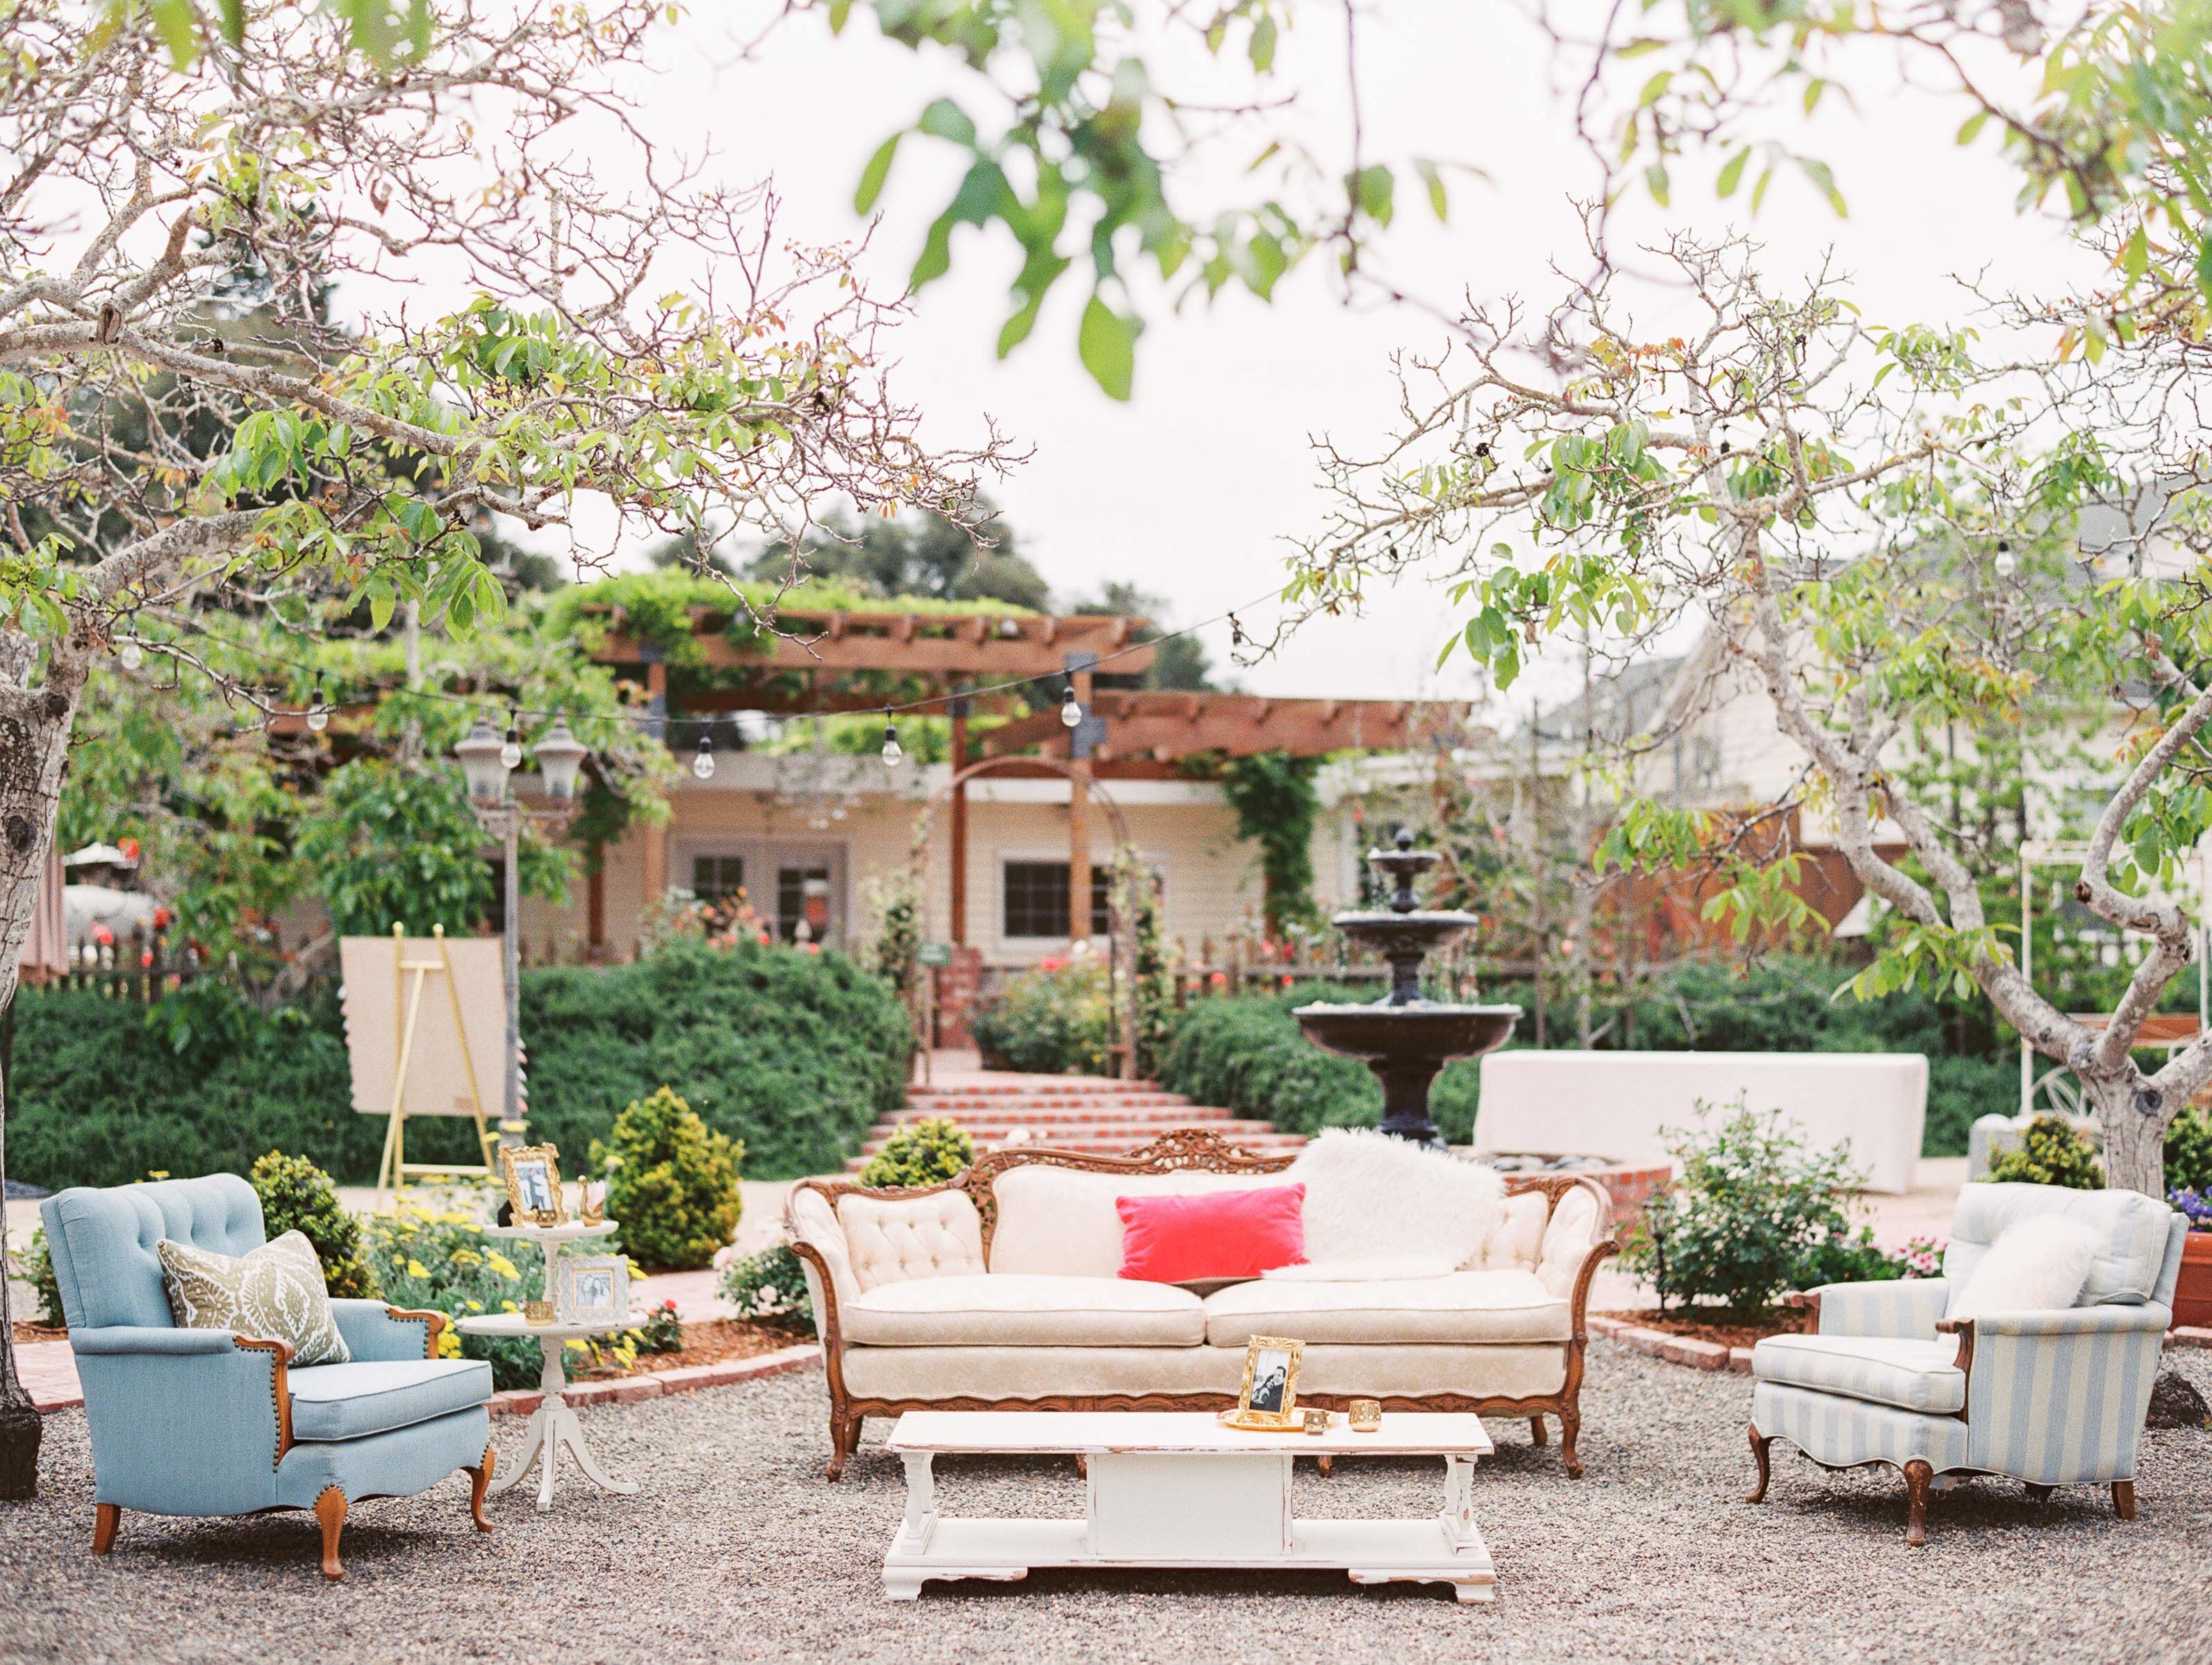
x,y
2135,1143
34,730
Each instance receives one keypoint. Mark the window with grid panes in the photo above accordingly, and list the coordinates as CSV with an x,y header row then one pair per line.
x,y
1035,900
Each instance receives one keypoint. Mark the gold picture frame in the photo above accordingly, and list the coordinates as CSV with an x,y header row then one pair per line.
x,y
1271,1380
532,1175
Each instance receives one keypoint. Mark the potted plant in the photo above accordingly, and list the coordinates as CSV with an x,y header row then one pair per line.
x,y
2189,1187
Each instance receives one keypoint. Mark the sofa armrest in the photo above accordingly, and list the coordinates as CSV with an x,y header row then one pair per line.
x,y
2147,1319
817,1236
1904,1309
147,1339
376,1332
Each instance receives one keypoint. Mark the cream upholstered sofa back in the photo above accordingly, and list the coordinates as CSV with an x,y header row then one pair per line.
x,y
894,1240
1061,1222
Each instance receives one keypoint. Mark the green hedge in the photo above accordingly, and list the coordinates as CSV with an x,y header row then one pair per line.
x,y
793,1053
1246,1053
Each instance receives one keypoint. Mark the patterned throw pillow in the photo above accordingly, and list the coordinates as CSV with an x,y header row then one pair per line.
x,y
276,1293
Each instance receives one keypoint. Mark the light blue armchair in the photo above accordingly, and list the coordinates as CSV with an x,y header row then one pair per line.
x,y
203,1422
2050,1398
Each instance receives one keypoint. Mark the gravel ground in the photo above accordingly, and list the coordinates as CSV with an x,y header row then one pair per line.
x,y
737,1549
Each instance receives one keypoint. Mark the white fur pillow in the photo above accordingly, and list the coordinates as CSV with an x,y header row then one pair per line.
x,y
2036,1266
1370,1196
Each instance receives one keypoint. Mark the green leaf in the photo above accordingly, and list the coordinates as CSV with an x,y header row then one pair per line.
x,y
1433,177
1263,44
944,120
178,24
1653,89
1970,128
873,175
1655,180
1732,172
1107,342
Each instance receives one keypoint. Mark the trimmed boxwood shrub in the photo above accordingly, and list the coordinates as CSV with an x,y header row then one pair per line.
x,y
792,1053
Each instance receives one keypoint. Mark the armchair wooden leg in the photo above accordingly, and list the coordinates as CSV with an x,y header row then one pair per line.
x,y
2124,1499
1570,1424
839,1442
330,1512
1324,1464
2037,1494
480,1483
106,1517
1083,1465
1759,1443
1537,1433
1918,1475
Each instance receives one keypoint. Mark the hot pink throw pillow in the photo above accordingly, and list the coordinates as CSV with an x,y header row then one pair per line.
x,y
1217,1234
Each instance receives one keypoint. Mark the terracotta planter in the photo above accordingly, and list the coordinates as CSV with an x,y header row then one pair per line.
x,y
2192,1296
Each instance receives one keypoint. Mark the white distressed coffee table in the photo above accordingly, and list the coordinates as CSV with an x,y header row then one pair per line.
x,y
1176,1489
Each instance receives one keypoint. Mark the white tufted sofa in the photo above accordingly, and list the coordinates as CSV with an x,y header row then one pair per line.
x,y
1001,1290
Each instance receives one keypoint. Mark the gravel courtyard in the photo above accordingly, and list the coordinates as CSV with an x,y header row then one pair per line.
x,y
737,1549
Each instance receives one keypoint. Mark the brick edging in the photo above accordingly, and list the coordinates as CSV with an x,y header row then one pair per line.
x,y
653,1385
1675,1349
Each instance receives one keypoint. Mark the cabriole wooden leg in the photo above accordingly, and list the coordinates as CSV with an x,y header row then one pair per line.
x,y
1917,1474
1324,1463
331,1511
2037,1494
1570,1424
1538,1435
1759,1443
837,1447
2124,1499
106,1517
480,1483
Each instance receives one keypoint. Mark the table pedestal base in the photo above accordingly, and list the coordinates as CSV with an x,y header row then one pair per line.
x,y
552,1426
1230,1510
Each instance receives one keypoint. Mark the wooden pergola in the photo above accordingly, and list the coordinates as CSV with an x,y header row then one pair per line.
x,y
811,662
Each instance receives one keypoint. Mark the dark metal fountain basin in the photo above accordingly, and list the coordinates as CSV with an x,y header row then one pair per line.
x,y
1433,1033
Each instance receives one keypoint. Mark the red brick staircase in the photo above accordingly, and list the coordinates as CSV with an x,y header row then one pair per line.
x,y
1065,1113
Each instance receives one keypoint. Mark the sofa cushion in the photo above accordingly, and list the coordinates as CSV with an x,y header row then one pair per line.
x,y
1228,1234
1018,1310
891,1240
1063,1222
2130,1228
275,1293
2036,1266
345,1402
1516,1237
1465,1308
1911,1375
1368,1193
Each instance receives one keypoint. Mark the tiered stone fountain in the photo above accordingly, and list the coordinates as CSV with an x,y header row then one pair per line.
x,y
1404,1038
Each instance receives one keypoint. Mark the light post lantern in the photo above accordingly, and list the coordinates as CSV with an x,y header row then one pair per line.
x,y
486,761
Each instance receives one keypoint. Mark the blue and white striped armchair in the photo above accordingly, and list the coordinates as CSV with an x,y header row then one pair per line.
x,y
2050,1398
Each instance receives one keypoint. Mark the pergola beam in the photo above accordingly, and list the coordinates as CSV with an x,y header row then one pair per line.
x,y
1167,726
979,645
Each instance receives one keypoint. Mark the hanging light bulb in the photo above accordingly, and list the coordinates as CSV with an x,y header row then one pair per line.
x,y
510,750
132,655
892,754
319,714
1071,714
2005,564
703,766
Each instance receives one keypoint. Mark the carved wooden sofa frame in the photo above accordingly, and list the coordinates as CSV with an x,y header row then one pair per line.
x,y
1178,1149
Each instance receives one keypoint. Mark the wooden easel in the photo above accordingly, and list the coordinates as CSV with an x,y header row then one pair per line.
x,y
395,1170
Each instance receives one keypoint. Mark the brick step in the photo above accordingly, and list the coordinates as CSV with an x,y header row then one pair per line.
x,y
1018,1111
1124,1134
922,1101
1097,1085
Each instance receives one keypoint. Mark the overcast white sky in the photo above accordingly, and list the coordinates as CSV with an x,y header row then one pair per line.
x,y
1191,488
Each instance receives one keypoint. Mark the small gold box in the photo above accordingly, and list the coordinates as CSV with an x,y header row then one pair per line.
x,y
538,1312
1366,1415
1316,1421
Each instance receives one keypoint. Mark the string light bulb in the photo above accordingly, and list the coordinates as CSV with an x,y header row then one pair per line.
x,y
318,713
510,750
892,753
1070,713
2006,565
702,765
132,655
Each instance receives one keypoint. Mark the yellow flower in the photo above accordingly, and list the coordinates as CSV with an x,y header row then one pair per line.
x,y
499,1263
476,1306
416,1269
508,1306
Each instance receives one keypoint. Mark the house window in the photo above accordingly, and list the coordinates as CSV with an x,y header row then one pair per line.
x,y
802,897
1035,900
717,877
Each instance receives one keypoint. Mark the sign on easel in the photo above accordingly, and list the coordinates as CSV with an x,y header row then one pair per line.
x,y
425,1020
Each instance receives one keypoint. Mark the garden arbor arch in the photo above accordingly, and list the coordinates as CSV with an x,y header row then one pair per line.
x,y
1082,787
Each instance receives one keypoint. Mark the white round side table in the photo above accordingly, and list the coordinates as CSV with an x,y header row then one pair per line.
x,y
552,1424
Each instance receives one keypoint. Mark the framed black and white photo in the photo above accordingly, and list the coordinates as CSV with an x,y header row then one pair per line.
x,y
532,1173
591,1289
1270,1376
